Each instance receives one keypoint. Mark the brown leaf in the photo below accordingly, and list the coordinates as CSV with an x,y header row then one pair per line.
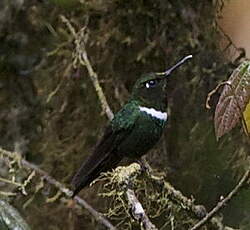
x,y
233,100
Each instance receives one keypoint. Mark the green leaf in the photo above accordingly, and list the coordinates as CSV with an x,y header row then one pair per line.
x,y
10,218
247,117
233,100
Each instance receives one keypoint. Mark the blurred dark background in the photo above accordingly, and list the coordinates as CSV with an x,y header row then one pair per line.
x,y
50,112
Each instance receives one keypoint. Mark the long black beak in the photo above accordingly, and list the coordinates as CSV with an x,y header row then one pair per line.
x,y
168,72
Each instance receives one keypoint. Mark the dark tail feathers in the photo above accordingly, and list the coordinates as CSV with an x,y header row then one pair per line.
x,y
92,168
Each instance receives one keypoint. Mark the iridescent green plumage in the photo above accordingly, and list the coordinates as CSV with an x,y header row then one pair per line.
x,y
134,130
142,130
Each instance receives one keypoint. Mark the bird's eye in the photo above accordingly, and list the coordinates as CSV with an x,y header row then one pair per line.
x,y
150,83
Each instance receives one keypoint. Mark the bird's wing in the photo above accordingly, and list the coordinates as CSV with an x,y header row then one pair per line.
x,y
104,156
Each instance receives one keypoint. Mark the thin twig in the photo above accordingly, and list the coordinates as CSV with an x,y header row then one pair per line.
x,y
98,216
81,57
123,176
98,88
176,196
138,211
122,179
10,182
185,203
223,202
211,93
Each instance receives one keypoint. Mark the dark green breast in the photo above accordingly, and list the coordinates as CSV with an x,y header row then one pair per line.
x,y
144,131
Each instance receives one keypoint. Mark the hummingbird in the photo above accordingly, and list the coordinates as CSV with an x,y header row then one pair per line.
x,y
133,131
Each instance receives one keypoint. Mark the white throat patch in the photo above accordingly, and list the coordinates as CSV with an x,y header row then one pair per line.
x,y
154,113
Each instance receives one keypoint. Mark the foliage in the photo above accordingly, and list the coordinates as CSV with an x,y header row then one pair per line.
x,y
51,115
10,218
233,100
156,200
247,117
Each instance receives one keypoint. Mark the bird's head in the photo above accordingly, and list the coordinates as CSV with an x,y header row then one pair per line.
x,y
150,89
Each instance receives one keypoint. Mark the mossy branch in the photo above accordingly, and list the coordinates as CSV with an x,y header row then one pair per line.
x,y
124,177
223,202
138,211
28,165
199,210
81,57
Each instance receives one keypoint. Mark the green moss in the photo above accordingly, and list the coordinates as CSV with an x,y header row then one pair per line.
x,y
54,115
